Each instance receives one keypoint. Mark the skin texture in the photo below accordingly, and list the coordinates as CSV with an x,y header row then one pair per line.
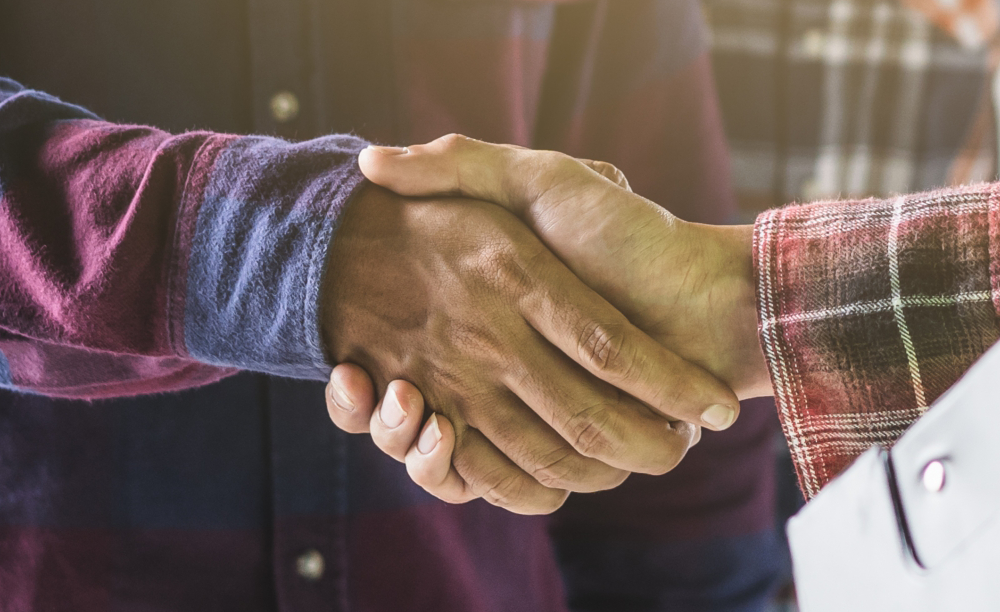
x,y
690,286
547,388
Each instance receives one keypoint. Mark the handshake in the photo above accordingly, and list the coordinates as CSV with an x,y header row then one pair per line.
x,y
559,330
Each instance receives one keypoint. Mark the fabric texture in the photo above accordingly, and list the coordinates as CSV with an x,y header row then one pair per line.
x,y
869,311
267,219
207,499
118,279
826,99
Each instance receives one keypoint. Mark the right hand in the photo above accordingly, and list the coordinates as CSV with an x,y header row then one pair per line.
x,y
550,389
425,446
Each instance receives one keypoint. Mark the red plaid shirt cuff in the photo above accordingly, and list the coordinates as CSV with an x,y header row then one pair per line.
x,y
869,310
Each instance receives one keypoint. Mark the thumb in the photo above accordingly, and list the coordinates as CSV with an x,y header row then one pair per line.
x,y
456,165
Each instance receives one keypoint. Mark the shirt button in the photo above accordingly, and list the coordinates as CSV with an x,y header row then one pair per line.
x,y
310,565
284,106
813,44
933,476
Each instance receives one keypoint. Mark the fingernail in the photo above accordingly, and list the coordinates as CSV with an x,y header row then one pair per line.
x,y
430,437
340,398
719,416
389,150
392,412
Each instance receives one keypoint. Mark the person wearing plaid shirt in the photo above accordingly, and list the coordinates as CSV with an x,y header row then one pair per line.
x,y
144,534
853,99
856,98
240,493
854,315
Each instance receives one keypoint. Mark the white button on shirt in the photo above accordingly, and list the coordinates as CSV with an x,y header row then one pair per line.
x,y
933,476
310,565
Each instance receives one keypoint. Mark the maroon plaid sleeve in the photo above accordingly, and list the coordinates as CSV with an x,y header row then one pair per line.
x,y
869,310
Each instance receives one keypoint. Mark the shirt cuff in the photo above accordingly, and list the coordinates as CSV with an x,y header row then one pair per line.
x,y
868,311
257,231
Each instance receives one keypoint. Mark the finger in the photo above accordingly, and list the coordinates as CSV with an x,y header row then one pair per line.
x,y
597,420
597,336
608,171
575,318
456,165
592,331
395,423
428,462
491,475
531,184
350,398
521,434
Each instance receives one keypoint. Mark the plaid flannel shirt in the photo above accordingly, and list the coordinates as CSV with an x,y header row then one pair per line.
x,y
869,308
241,494
869,311
853,98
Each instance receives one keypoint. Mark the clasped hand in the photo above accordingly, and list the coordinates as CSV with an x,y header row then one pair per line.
x,y
562,331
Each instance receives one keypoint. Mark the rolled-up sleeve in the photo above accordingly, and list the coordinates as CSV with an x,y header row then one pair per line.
x,y
869,310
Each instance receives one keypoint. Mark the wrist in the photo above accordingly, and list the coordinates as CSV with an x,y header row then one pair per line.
x,y
729,298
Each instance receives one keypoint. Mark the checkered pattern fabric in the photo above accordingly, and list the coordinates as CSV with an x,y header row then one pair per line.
x,y
214,498
853,98
869,310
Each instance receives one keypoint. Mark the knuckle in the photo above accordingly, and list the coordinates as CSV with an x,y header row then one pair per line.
x,y
594,432
494,260
505,271
553,168
604,168
566,469
453,141
558,162
544,501
612,169
559,469
603,348
506,492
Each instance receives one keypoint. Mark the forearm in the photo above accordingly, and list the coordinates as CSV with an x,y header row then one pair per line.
x,y
134,261
869,311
